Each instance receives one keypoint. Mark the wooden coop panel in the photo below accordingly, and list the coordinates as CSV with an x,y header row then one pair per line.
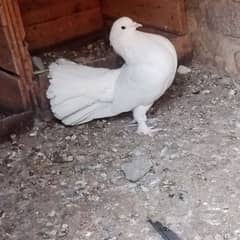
x,y
10,94
6,60
7,55
15,62
48,22
162,14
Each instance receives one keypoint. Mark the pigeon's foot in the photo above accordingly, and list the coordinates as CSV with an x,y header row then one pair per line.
x,y
148,131
133,123
139,115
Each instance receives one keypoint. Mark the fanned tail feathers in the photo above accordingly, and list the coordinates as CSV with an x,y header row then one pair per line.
x,y
78,93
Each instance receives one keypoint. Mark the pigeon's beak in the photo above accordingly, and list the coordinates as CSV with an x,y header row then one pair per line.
x,y
137,25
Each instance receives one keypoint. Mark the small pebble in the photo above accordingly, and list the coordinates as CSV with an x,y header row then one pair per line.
x,y
52,213
183,70
38,63
163,152
232,93
218,237
70,158
114,150
206,91
88,234
64,230
33,134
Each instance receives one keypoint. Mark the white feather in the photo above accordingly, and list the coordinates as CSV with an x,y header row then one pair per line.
x,y
76,89
79,94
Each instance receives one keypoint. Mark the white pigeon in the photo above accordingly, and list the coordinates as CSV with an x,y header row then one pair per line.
x,y
79,93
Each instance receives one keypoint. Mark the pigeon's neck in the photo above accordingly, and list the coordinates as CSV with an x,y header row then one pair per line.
x,y
129,55
126,48
132,49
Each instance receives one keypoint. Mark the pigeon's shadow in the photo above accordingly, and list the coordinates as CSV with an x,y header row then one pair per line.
x,y
176,91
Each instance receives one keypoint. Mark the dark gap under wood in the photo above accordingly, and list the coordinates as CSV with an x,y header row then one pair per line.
x,y
15,124
8,72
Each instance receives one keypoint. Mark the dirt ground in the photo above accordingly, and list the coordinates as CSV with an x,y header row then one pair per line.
x,y
68,183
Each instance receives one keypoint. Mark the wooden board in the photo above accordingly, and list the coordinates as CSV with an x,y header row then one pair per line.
x,y
49,22
10,96
34,12
6,57
182,43
52,32
15,83
167,15
7,60
184,47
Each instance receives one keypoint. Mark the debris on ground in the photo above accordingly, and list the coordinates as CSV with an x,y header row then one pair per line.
x,y
98,53
38,63
183,69
193,186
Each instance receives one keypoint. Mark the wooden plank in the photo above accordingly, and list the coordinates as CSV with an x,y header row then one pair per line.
x,y
17,94
40,11
65,28
10,96
6,58
184,47
167,15
7,61
182,43
25,61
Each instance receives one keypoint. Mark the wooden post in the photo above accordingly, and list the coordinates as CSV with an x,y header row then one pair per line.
x,y
15,63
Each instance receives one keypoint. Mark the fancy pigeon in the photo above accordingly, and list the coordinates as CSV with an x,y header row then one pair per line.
x,y
79,94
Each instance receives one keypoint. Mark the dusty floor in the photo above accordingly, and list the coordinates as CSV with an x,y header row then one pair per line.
x,y
67,183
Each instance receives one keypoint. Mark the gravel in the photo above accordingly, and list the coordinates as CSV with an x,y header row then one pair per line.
x,y
67,183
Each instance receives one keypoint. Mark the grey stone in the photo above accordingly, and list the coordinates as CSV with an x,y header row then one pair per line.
x,y
136,169
38,63
64,230
183,69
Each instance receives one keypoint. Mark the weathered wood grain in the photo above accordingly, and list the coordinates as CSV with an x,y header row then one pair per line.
x,y
62,29
18,83
168,15
34,12
6,58
182,43
10,96
51,22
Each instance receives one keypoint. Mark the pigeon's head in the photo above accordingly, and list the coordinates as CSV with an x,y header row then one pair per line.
x,y
121,30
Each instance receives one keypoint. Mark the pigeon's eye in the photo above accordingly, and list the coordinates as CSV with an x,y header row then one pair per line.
x,y
123,27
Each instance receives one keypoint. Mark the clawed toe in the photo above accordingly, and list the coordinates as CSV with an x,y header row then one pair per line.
x,y
147,131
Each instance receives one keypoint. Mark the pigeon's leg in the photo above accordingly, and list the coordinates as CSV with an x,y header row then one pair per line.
x,y
133,123
139,115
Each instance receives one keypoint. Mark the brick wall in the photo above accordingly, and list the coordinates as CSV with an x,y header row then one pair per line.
x,y
215,28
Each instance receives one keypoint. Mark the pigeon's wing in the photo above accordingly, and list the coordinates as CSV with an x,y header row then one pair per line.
x,y
138,85
78,92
